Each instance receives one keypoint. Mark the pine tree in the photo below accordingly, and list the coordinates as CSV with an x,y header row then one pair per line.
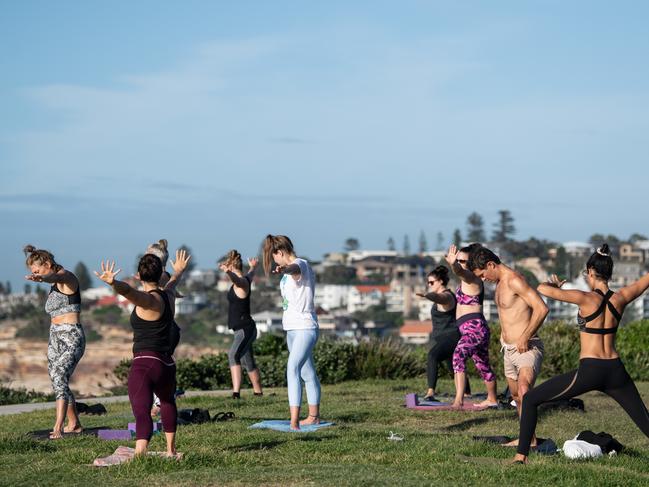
x,y
475,228
423,244
504,228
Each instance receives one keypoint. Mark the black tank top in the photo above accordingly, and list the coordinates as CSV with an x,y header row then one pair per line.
x,y
155,336
239,310
443,321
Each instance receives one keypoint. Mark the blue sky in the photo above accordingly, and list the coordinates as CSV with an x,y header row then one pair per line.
x,y
215,123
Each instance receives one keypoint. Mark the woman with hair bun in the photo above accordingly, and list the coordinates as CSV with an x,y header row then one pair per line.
x,y
300,323
153,369
240,321
67,341
600,368
445,334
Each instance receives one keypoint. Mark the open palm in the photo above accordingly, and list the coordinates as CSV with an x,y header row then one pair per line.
x,y
108,272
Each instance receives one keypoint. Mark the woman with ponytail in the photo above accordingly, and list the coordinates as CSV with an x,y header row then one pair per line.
x,y
600,368
67,341
241,323
300,323
445,334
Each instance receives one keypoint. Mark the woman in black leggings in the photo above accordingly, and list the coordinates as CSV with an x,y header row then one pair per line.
x,y
600,367
445,334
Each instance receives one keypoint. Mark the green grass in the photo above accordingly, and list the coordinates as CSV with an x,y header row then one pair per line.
x,y
437,448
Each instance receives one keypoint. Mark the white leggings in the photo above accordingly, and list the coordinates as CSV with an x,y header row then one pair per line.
x,y
300,364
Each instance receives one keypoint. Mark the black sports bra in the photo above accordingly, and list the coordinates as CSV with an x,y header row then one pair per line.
x,y
606,303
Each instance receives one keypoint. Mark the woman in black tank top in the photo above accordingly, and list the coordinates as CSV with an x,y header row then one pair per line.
x,y
241,323
445,334
153,369
600,367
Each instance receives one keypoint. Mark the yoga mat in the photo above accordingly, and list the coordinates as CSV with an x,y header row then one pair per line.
x,y
412,402
157,426
45,434
115,435
285,426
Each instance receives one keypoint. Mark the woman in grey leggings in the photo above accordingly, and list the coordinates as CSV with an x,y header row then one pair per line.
x,y
67,340
240,321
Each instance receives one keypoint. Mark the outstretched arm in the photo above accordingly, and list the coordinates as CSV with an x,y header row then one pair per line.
x,y
632,291
66,278
138,298
552,289
539,310
252,264
464,274
179,266
445,299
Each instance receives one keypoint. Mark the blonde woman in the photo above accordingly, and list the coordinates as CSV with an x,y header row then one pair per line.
x,y
300,323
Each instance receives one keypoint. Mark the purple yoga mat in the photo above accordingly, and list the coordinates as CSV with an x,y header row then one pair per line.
x,y
157,426
412,402
115,434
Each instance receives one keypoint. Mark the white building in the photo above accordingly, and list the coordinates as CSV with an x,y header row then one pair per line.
x,y
332,296
268,321
356,255
362,297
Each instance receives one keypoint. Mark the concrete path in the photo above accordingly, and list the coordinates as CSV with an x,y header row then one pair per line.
x,y
36,406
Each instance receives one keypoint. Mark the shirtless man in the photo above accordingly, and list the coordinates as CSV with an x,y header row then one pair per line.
x,y
521,311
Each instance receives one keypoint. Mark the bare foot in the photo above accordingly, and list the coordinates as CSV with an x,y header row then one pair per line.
x,y
155,411
56,434
77,428
295,427
310,419
511,443
486,404
457,405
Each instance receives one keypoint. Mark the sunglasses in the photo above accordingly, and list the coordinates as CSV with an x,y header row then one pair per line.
x,y
431,283
461,261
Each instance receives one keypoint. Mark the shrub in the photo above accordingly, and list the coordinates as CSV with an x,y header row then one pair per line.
x,y
21,396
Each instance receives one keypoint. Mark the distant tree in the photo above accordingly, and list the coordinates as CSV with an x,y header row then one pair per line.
x,y
561,264
423,244
352,244
28,288
504,229
192,263
439,245
337,274
597,239
636,237
475,228
457,237
391,245
8,287
529,276
406,245
3,291
83,276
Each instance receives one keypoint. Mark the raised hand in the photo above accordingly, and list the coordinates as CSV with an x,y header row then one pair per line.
x,y
252,262
182,260
451,255
108,272
34,277
224,267
421,295
279,269
555,281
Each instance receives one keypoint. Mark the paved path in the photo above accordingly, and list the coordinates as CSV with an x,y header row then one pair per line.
x,y
36,406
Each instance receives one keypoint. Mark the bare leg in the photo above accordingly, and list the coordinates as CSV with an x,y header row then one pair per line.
x,y
518,389
460,382
61,409
235,372
255,379
171,443
295,417
314,415
430,392
74,424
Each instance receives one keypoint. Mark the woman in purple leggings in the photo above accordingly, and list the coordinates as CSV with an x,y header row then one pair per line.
x,y
153,369
472,324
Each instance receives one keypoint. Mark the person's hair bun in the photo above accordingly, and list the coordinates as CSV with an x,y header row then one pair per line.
x,y
604,250
28,249
163,243
441,271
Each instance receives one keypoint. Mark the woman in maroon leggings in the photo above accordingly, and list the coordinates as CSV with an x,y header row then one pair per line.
x,y
153,369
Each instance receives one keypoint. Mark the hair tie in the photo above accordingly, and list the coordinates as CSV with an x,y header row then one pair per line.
x,y
603,254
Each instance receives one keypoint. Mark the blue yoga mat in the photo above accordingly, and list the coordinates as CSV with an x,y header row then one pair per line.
x,y
285,426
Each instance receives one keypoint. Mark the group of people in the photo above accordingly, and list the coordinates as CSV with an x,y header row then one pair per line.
x,y
152,376
460,332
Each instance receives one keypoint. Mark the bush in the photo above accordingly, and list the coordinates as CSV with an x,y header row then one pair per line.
x,y
21,396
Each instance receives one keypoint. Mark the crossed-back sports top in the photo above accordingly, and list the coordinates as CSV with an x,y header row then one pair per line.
x,y
606,303
239,309
468,299
443,321
159,335
59,303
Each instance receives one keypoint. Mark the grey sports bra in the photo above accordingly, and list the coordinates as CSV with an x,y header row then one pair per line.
x,y
59,303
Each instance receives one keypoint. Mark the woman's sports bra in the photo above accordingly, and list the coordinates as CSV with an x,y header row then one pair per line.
x,y
468,299
59,303
606,303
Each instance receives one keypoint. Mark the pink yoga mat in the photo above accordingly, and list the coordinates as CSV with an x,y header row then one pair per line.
x,y
412,402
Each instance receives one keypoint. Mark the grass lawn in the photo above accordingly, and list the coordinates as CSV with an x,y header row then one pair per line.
x,y
437,449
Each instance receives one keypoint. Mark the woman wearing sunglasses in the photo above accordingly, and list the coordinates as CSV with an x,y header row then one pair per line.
x,y
473,327
445,334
